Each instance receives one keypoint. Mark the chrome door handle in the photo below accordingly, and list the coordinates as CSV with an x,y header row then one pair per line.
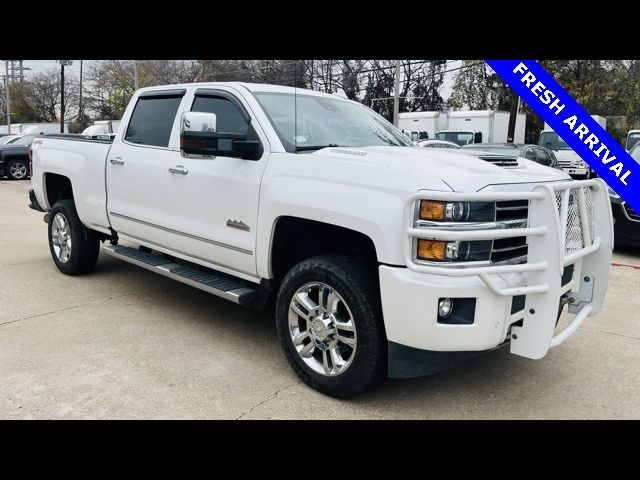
x,y
116,161
178,169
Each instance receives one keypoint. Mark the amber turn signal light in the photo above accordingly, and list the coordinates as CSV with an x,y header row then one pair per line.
x,y
431,250
430,210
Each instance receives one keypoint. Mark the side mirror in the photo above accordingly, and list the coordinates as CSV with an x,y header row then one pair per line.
x,y
199,138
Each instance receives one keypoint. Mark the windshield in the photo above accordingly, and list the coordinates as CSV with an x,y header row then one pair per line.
x,y
23,141
635,153
461,138
632,140
7,139
553,141
320,122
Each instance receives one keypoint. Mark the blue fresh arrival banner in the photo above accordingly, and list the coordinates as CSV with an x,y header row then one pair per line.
x,y
574,125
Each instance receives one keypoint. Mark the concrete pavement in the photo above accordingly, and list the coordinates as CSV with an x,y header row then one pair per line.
x,y
126,343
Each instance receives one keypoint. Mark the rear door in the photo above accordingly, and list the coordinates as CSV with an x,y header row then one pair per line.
x,y
137,164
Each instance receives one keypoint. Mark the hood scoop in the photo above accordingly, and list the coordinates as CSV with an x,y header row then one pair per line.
x,y
504,161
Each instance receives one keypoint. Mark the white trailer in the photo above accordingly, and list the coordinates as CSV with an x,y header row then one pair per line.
x,y
482,126
102,128
48,127
426,124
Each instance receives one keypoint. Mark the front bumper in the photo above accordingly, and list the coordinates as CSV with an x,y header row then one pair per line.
x,y
410,295
576,171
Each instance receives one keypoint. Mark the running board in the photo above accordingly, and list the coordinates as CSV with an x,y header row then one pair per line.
x,y
217,283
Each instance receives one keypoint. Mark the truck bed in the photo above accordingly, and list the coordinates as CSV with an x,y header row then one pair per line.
x,y
82,160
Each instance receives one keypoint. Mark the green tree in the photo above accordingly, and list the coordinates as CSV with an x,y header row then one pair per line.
x,y
112,85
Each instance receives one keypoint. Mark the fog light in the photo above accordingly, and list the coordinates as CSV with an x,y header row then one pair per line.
x,y
445,307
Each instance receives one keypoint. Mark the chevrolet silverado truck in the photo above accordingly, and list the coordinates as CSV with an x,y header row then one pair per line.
x,y
383,258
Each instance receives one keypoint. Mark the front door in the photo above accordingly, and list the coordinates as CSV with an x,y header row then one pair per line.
x,y
137,166
212,203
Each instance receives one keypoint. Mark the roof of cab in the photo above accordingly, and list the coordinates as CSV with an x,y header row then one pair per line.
x,y
252,87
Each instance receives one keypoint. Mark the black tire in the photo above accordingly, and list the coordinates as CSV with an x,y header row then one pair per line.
x,y
18,162
359,288
85,245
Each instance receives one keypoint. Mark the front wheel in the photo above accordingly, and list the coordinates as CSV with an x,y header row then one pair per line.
x,y
74,247
330,325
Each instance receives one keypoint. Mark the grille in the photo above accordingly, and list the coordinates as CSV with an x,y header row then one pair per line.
x,y
513,214
501,161
574,227
567,164
632,214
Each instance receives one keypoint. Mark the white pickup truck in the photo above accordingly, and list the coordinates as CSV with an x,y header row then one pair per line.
x,y
384,258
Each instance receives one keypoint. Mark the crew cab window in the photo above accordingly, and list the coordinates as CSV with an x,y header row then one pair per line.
x,y
228,117
152,120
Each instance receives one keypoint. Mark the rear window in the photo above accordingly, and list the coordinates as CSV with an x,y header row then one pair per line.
x,y
152,121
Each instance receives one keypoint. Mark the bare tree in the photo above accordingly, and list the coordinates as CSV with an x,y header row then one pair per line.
x,y
37,99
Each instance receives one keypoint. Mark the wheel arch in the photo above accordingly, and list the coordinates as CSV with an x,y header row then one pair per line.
x,y
57,187
294,239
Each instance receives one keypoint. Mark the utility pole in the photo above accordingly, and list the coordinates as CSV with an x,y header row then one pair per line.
x,y
21,71
80,100
513,115
135,75
13,71
6,89
63,63
396,95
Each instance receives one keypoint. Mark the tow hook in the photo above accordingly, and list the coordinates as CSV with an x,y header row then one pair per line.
x,y
46,218
564,299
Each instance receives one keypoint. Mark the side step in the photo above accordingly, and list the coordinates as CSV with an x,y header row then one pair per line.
x,y
217,283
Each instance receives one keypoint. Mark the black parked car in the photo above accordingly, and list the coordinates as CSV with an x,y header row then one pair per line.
x,y
529,151
626,221
14,158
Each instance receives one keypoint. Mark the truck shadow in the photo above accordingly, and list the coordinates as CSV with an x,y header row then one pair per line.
x,y
254,347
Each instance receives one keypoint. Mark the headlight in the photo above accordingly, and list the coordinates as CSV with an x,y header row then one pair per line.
x,y
439,251
456,211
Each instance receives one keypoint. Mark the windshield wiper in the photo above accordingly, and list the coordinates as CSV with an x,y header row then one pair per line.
x,y
304,148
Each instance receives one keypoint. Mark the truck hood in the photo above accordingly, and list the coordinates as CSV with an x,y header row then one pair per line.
x,y
461,170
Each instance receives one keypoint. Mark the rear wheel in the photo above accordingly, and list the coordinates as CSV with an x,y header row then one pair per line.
x,y
330,324
74,248
17,169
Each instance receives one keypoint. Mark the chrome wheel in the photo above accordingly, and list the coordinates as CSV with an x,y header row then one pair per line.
x,y
18,170
61,237
322,329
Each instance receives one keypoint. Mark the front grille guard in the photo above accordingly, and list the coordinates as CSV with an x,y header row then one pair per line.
x,y
567,204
